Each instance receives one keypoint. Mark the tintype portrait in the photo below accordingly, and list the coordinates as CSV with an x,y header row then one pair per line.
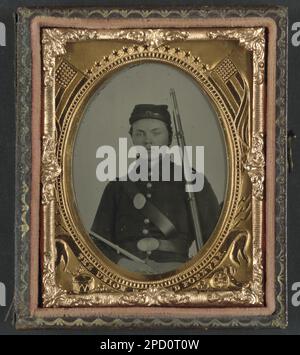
x,y
150,225
149,196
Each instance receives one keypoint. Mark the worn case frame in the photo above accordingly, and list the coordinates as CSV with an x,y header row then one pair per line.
x,y
260,300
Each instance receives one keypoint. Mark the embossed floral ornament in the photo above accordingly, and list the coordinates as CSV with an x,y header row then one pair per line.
x,y
154,296
153,38
245,295
255,165
50,169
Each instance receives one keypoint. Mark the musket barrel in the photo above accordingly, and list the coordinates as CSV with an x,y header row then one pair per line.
x,y
191,195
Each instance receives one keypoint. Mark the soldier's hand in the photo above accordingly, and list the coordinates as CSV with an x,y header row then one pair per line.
x,y
135,266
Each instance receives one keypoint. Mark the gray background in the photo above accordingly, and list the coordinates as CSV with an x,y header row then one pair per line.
x,y
106,119
7,151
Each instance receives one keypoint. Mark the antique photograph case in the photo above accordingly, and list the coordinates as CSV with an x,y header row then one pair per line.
x,y
117,233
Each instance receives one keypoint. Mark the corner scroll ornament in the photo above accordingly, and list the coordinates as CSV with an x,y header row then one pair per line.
x,y
251,293
52,293
50,169
255,165
253,39
244,296
54,42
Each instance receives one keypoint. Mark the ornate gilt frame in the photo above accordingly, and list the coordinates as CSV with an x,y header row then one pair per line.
x,y
214,285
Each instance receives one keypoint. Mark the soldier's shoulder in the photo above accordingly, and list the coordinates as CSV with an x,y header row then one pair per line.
x,y
114,186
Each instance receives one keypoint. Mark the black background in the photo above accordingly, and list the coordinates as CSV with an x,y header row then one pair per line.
x,y
7,157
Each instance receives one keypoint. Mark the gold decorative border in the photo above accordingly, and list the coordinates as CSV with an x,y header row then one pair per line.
x,y
151,46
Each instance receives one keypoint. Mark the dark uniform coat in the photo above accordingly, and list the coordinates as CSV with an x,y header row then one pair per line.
x,y
119,221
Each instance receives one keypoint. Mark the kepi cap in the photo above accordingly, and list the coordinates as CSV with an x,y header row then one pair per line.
x,y
158,112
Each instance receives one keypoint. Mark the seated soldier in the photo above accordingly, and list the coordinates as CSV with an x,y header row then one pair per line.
x,y
151,219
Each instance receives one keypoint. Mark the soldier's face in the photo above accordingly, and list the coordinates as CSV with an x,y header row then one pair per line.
x,y
150,132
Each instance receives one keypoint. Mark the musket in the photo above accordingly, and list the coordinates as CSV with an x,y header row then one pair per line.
x,y
191,195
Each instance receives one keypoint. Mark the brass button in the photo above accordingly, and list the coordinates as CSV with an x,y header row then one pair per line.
x,y
146,221
145,231
149,185
139,201
149,195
